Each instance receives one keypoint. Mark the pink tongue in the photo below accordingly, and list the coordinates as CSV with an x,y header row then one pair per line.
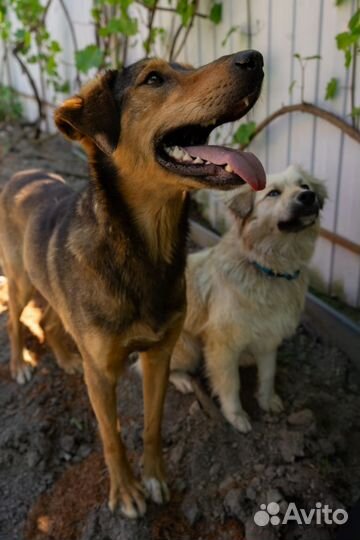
x,y
244,164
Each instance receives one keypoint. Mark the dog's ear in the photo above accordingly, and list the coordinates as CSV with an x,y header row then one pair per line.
x,y
241,201
93,114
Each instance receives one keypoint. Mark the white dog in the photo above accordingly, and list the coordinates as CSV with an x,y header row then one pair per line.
x,y
246,294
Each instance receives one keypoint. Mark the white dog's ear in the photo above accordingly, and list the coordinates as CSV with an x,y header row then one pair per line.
x,y
241,201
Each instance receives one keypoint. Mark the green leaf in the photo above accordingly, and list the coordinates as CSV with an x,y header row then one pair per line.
x,y
123,25
186,9
55,47
348,58
63,88
155,32
344,40
339,2
332,89
297,55
149,3
355,112
229,33
291,87
23,37
90,57
313,57
244,133
354,23
216,13
10,106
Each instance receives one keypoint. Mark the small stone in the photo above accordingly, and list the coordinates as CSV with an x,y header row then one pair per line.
x,y
255,532
32,458
227,483
291,445
177,453
191,510
179,485
67,443
84,451
251,493
301,418
214,470
273,495
232,502
194,408
327,448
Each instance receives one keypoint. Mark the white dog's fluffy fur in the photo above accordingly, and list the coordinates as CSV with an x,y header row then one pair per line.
x,y
236,312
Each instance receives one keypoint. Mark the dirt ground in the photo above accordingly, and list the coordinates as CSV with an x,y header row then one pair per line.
x,y
53,481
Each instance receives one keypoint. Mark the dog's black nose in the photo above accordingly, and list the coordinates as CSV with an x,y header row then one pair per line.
x,y
248,60
306,197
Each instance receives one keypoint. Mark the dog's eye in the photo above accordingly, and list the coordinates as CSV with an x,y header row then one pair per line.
x,y
304,186
154,79
274,193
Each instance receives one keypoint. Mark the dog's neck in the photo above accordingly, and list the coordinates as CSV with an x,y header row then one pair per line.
x,y
159,217
282,255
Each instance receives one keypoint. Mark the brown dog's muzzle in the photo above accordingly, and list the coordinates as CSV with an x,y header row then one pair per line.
x,y
222,91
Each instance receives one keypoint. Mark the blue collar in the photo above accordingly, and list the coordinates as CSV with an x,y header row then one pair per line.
x,y
271,273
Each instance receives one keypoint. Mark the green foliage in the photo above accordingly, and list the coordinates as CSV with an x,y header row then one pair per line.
x,y
89,57
186,10
244,133
31,41
155,32
292,86
216,13
346,41
355,113
229,33
303,59
120,25
332,89
10,106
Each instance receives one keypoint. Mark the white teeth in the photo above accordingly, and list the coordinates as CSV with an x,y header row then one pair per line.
x,y
178,153
186,157
198,160
228,168
246,101
208,163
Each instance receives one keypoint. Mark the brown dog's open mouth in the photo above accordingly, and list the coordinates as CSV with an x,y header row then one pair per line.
x,y
185,152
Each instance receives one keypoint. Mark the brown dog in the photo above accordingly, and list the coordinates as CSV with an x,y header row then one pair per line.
x,y
110,260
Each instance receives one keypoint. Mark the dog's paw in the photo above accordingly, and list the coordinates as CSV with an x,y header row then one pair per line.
x,y
24,374
182,382
131,501
157,490
240,421
273,405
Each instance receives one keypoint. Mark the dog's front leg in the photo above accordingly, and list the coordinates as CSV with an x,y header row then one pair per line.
x,y
124,489
267,398
222,363
155,367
